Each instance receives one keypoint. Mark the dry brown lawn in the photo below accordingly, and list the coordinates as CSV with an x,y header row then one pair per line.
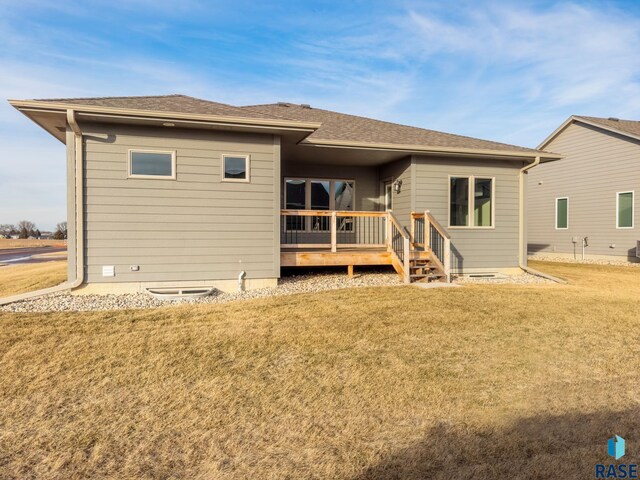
x,y
378,383
28,277
28,243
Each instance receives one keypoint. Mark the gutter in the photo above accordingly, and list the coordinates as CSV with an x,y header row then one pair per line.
x,y
79,227
522,251
515,154
35,105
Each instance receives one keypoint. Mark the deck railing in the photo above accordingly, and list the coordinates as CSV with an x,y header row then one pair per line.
x,y
427,233
399,242
332,229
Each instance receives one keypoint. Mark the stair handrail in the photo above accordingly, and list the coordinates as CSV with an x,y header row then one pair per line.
x,y
442,257
406,245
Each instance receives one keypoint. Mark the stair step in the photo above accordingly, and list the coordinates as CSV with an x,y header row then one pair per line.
x,y
425,267
427,276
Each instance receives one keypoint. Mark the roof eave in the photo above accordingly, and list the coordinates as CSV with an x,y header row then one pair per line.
x,y
34,105
431,149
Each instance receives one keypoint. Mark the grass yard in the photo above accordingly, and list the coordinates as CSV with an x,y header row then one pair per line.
x,y
378,383
6,243
28,277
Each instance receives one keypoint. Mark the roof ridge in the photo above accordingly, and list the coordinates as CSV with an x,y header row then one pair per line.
x,y
607,118
115,97
389,123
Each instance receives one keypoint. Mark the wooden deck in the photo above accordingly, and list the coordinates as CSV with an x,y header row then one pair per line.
x,y
312,238
319,257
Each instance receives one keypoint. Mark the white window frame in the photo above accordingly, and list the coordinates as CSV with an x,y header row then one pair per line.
x,y
633,210
472,182
556,217
307,195
173,175
247,159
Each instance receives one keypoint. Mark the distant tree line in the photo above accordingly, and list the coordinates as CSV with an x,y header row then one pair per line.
x,y
28,229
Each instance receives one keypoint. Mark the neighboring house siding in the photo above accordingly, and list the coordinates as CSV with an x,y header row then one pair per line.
x,y
473,248
192,228
403,201
597,165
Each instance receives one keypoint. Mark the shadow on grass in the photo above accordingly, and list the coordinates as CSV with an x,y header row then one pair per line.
x,y
550,447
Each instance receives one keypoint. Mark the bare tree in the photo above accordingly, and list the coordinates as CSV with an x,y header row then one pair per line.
x,y
6,230
26,228
61,231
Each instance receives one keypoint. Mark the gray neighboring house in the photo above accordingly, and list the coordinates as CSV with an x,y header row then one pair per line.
x,y
174,191
589,194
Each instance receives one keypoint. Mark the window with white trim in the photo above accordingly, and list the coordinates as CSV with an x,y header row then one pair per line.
x,y
318,194
624,210
236,168
562,213
471,202
152,164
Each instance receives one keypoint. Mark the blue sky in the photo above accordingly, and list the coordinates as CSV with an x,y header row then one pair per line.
x,y
506,71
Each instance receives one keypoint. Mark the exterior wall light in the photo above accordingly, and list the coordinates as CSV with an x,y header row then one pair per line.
x,y
397,186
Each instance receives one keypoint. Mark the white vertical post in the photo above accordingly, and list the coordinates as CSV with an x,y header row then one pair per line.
x,y
334,236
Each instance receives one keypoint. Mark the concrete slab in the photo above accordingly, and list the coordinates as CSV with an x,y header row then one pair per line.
x,y
435,285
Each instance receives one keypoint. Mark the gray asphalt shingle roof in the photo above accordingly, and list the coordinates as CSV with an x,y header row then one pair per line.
x,y
628,126
335,126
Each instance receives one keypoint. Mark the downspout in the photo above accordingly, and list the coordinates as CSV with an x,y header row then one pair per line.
x,y
522,252
79,200
79,230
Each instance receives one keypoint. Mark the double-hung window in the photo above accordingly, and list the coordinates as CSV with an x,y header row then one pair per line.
x,y
471,202
317,194
624,210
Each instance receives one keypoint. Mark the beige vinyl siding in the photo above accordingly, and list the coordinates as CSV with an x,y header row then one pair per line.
x,y
402,202
192,228
473,248
597,165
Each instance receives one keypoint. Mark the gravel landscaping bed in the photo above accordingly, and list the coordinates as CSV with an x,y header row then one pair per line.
x,y
587,261
288,285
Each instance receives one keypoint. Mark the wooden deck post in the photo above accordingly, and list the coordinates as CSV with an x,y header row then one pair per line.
x,y
447,259
388,225
334,233
427,230
350,271
407,259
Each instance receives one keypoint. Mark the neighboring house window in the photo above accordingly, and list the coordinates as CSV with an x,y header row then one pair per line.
x,y
318,194
152,164
562,213
235,168
471,202
624,209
